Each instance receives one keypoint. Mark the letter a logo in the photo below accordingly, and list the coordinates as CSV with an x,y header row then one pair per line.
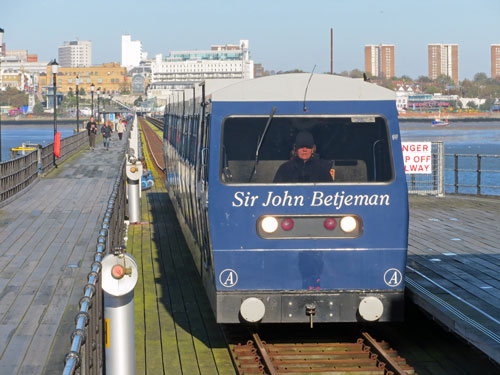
x,y
228,278
393,277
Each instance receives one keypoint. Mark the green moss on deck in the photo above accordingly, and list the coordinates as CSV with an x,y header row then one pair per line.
x,y
176,332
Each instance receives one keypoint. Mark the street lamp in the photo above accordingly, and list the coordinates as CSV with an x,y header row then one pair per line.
x,y
54,65
1,54
77,82
98,112
92,88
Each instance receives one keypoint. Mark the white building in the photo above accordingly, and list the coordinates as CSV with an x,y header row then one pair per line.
x,y
132,54
221,61
76,54
402,95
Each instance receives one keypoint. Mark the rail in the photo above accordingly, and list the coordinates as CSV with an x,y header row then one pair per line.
x,y
17,174
473,174
87,353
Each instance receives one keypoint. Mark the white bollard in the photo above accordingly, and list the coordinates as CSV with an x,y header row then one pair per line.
x,y
133,170
134,173
119,277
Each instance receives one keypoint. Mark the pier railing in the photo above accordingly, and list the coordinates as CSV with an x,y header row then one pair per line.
x,y
473,174
17,174
86,355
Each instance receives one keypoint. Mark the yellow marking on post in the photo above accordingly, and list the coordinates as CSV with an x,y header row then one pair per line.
x,y
106,327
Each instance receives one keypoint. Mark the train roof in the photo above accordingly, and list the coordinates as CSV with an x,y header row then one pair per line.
x,y
292,87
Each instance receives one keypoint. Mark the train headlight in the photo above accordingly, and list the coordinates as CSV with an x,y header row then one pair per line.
x,y
269,224
348,224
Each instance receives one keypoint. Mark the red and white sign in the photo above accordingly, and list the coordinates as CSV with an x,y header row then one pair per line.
x,y
417,157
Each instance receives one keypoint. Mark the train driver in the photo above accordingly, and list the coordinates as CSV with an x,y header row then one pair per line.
x,y
305,166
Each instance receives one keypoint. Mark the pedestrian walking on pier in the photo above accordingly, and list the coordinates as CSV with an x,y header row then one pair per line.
x,y
106,130
92,131
120,128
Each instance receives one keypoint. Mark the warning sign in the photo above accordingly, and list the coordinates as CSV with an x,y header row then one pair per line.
x,y
417,157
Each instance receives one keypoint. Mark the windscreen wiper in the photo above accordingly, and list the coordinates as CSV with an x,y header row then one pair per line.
x,y
260,144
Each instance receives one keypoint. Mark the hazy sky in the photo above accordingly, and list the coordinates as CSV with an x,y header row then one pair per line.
x,y
283,34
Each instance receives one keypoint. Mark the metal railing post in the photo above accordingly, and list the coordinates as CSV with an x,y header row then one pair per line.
x,y
456,174
478,174
441,189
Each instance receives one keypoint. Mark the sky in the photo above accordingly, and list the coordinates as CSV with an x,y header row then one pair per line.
x,y
283,35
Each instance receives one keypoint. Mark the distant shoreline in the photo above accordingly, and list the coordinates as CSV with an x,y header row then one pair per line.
x,y
455,117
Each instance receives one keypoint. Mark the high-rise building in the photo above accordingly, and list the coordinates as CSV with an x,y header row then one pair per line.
x,y
221,61
379,60
443,59
132,54
75,54
495,61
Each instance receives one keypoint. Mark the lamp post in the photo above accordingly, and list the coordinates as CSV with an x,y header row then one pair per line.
x,y
1,54
54,65
92,88
98,111
77,82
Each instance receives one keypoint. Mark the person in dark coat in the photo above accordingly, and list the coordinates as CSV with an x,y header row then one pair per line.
x,y
106,130
305,166
92,131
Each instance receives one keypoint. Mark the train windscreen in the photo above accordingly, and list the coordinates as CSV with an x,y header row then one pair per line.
x,y
264,150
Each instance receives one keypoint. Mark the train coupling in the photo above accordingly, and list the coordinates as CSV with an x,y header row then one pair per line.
x,y
310,312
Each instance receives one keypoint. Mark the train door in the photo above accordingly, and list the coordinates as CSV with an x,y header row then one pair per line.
x,y
203,193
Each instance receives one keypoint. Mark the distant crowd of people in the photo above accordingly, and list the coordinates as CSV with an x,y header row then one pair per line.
x,y
119,125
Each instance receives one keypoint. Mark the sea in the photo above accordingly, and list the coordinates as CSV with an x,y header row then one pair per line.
x,y
14,133
463,138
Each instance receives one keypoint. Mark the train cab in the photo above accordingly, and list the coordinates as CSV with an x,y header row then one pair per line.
x,y
305,197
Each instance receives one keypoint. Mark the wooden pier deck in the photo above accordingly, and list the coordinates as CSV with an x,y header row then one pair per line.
x,y
48,235
453,269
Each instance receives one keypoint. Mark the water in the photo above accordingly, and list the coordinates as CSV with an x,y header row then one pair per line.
x,y
15,135
470,138
459,138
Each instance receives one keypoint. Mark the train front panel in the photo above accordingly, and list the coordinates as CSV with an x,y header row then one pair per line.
x,y
330,250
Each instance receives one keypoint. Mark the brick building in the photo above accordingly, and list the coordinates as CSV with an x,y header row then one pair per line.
x,y
110,77
380,60
443,59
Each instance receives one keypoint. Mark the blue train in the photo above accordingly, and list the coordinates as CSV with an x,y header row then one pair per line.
x,y
291,193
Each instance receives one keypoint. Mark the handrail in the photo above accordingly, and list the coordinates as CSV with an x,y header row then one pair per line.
x,y
474,174
17,174
86,352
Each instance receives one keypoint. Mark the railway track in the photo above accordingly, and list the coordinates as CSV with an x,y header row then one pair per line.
x,y
365,356
153,142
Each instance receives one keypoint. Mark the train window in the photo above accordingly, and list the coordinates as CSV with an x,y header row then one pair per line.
x,y
353,149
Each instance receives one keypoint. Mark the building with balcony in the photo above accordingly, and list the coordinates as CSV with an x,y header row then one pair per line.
x,y
75,54
380,60
495,61
443,59
221,61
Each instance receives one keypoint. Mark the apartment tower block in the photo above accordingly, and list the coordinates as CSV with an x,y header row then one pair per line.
x,y
495,61
379,60
76,54
443,59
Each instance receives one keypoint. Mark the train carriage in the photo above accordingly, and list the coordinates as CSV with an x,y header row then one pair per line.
x,y
332,250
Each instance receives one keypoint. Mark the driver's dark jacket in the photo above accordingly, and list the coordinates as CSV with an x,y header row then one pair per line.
x,y
295,170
